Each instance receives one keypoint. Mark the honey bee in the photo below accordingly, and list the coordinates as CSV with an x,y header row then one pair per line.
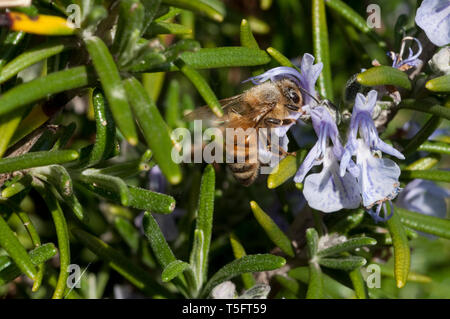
x,y
267,105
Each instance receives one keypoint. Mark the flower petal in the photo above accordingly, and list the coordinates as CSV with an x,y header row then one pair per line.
x,y
433,16
328,192
378,177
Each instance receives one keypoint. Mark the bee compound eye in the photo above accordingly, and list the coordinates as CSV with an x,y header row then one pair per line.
x,y
294,96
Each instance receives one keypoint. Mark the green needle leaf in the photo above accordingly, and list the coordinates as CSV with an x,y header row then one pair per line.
x,y
113,87
144,199
384,75
209,58
167,28
10,243
173,269
38,256
156,238
435,147
349,245
31,57
424,223
439,84
246,36
425,106
154,128
272,230
359,284
425,132
202,86
128,232
213,9
429,174
321,47
250,263
35,159
239,252
205,218
312,240
348,263
349,14
62,234
315,284
25,94
402,258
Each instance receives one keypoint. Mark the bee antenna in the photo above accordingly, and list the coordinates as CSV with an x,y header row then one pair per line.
x,y
309,94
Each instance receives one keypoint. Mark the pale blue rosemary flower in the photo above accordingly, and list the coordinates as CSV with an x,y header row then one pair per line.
x,y
412,60
433,16
377,176
327,191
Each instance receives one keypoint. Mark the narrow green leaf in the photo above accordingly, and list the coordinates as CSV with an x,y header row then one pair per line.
x,y
113,87
8,126
10,45
56,175
173,269
321,47
224,57
105,130
154,128
211,8
347,263
429,174
312,241
384,75
201,85
172,114
315,284
350,221
349,14
37,256
205,214
35,159
167,28
402,258
272,230
412,276
435,147
25,94
359,284
425,106
424,223
197,259
439,84
10,243
239,252
424,163
250,263
157,241
288,283
16,187
129,25
31,57
110,183
153,83
62,234
144,199
348,245
246,36
279,57
285,169
136,275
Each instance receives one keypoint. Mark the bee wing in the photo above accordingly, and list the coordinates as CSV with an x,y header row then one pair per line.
x,y
234,104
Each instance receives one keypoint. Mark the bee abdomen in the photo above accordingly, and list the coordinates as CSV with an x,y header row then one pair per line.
x,y
245,173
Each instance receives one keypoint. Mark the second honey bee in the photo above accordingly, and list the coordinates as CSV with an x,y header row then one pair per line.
x,y
268,105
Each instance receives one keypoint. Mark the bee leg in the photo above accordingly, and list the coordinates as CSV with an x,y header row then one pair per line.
x,y
287,122
292,107
272,121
